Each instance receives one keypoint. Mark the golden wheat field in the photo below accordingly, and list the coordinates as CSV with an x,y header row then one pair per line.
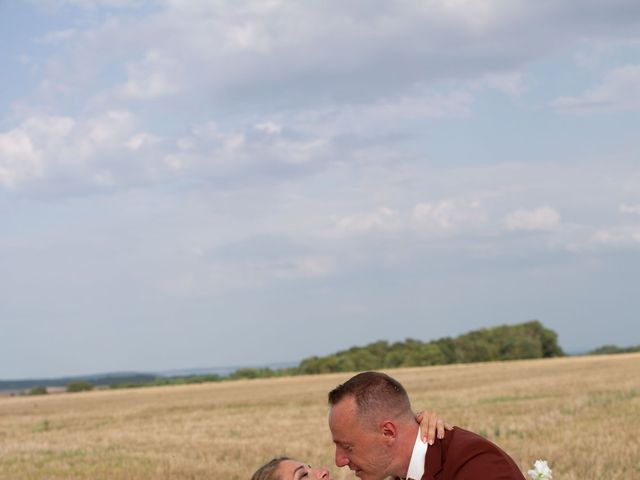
x,y
582,414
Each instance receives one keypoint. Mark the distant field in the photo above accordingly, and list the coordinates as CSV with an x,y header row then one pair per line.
x,y
580,413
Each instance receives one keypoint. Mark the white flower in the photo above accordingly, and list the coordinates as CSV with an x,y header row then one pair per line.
x,y
540,471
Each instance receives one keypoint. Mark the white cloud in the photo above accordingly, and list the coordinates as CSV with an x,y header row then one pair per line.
x,y
590,56
93,4
212,149
44,146
25,151
205,277
51,127
616,237
141,140
633,209
300,152
619,90
303,267
383,218
59,35
155,76
421,105
539,219
509,83
104,179
297,54
110,128
447,216
271,128
19,159
609,238
398,113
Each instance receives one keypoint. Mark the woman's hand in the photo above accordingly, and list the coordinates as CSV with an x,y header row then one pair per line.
x,y
432,425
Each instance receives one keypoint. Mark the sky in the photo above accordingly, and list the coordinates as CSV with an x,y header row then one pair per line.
x,y
217,183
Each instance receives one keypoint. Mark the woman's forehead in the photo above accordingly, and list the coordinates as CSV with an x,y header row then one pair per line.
x,y
290,466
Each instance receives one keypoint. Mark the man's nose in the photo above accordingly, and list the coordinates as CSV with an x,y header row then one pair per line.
x,y
341,459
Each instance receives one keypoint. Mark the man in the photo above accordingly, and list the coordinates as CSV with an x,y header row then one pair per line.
x,y
376,435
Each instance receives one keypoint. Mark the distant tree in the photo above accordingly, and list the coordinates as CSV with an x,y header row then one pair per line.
x,y
423,355
252,373
365,359
447,346
611,349
211,377
548,339
520,347
395,357
79,386
475,348
310,366
506,342
39,390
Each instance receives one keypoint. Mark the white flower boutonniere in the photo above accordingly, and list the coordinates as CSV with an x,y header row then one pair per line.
x,y
540,471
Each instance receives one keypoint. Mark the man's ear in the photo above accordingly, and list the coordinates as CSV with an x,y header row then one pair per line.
x,y
389,431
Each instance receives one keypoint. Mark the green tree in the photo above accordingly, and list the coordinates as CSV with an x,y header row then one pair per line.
x,y
610,349
505,342
79,386
309,366
520,347
39,390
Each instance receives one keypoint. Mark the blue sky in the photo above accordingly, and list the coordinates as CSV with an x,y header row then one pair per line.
x,y
194,183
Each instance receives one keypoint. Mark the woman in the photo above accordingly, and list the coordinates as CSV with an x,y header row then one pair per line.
x,y
284,468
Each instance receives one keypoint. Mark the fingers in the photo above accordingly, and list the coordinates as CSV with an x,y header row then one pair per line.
x,y
427,426
440,428
432,426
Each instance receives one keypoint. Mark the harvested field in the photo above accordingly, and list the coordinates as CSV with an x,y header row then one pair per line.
x,y
582,414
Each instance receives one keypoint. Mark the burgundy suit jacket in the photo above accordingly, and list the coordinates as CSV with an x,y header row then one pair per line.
x,y
464,455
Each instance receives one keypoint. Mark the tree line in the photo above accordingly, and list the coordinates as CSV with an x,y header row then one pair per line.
x,y
611,349
526,340
506,342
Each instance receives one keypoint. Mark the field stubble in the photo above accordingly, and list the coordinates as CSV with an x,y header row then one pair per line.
x,y
582,414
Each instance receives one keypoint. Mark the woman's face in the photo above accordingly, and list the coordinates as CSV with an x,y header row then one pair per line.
x,y
294,470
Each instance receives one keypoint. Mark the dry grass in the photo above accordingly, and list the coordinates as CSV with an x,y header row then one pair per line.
x,y
582,414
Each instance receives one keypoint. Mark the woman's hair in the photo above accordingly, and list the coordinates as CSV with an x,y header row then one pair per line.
x,y
268,470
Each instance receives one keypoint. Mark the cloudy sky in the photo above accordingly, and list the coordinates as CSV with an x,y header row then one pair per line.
x,y
213,183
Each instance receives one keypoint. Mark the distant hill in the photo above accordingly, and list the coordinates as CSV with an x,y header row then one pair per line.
x,y
222,371
132,378
505,342
98,379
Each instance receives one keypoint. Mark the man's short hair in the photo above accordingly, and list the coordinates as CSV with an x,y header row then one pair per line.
x,y
376,395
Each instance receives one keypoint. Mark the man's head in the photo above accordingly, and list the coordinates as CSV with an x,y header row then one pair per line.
x,y
372,425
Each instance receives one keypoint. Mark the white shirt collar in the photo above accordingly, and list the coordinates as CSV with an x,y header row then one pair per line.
x,y
416,465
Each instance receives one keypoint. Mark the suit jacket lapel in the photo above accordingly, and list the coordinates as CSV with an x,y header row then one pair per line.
x,y
433,461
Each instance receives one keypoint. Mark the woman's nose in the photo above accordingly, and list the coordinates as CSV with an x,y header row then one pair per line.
x,y
321,473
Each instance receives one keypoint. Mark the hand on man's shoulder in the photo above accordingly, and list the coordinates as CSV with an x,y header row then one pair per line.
x,y
465,455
